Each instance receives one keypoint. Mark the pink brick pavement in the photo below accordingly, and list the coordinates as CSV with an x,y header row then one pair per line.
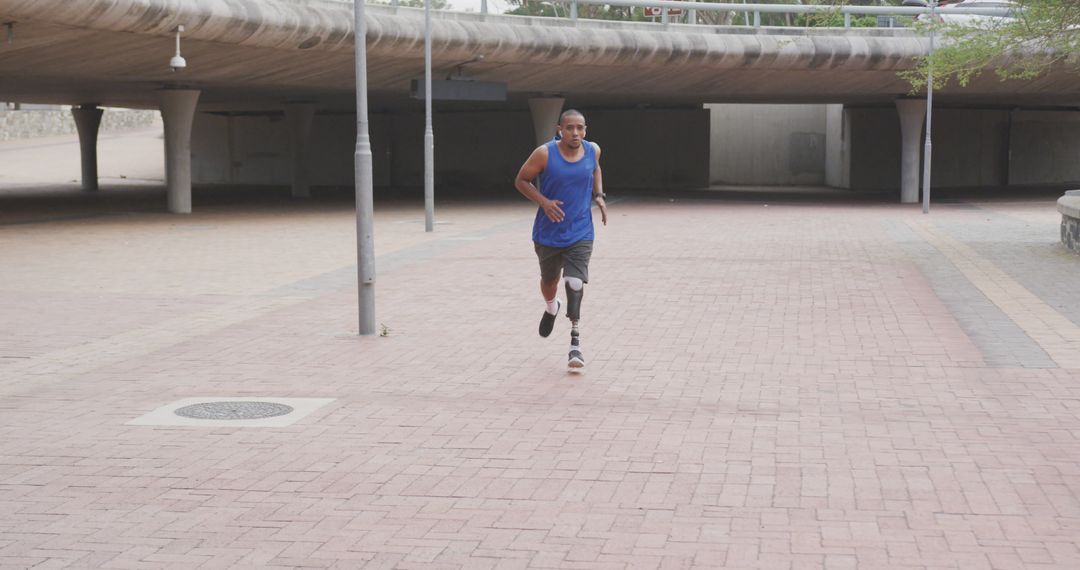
x,y
768,387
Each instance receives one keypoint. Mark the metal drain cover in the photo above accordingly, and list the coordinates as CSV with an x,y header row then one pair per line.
x,y
233,410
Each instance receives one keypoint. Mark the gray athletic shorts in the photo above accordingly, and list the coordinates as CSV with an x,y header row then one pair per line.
x,y
573,261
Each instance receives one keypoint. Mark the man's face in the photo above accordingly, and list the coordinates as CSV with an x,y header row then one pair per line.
x,y
572,130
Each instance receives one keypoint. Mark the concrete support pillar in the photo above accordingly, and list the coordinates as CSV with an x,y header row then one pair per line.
x,y
299,116
178,112
87,121
545,116
837,151
912,116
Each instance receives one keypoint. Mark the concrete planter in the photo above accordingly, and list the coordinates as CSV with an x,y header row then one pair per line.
x,y
1069,206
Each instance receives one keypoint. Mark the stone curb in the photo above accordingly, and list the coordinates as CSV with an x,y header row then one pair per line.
x,y
1069,206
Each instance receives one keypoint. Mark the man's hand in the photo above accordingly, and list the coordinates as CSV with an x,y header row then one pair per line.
x,y
603,209
552,210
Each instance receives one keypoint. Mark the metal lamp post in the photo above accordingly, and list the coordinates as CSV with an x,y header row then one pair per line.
x,y
429,132
932,4
365,245
929,111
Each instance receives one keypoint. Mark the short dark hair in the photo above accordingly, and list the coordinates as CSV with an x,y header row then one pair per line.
x,y
570,113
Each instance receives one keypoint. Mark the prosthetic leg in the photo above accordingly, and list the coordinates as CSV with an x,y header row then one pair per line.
x,y
575,290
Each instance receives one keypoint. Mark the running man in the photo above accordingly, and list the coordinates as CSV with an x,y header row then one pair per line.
x,y
568,170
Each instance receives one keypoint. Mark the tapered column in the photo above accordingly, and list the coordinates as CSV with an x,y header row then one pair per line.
x,y
912,112
545,115
299,116
178,112
87,122
837,149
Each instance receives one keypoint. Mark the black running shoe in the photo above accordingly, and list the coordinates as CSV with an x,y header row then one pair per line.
x,y
547,322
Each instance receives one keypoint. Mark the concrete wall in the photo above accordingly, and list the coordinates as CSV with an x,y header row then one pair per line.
x,y
14,106
1045,147
652,148
768,144
239,149
837,147
972,147
254,149
473,150
777,145
855,147
30,123
874,148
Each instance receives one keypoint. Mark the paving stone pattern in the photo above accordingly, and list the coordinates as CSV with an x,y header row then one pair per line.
x,y
998,338
793,386
1016,240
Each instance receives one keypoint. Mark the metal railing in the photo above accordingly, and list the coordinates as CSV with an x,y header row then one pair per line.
x,y
756,10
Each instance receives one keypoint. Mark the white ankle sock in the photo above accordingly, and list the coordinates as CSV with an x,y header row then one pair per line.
x,y
553,306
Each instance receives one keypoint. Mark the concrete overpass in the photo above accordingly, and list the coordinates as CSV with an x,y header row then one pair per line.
x,y
250,56
244,52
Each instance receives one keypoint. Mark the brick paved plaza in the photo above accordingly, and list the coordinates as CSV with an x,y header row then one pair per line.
x,y
775,381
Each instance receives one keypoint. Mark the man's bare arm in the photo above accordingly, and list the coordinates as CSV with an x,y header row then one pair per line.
x,y
598,186
523,182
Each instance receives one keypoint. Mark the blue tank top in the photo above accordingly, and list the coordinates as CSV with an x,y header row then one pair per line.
x,y
572,183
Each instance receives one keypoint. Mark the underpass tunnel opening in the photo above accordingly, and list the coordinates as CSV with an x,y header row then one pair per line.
x,y
307,147
861,148
478,151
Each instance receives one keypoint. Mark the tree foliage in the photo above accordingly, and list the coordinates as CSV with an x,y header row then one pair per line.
x,y
561,9
1040,35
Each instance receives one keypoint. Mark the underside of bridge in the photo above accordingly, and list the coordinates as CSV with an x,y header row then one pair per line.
x,y
268,92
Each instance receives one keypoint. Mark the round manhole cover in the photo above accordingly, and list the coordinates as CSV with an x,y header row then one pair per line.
x,y
233,410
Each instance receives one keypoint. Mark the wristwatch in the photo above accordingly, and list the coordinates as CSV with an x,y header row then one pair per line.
x,y
599,196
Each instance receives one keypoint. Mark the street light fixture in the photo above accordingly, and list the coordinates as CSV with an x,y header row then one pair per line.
x,y
365,244
929,99
554,8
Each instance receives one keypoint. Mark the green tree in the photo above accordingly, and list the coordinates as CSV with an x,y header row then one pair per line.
x,y
832,18
1041,34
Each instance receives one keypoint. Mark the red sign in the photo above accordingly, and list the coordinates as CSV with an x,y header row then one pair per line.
x,y
657,12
